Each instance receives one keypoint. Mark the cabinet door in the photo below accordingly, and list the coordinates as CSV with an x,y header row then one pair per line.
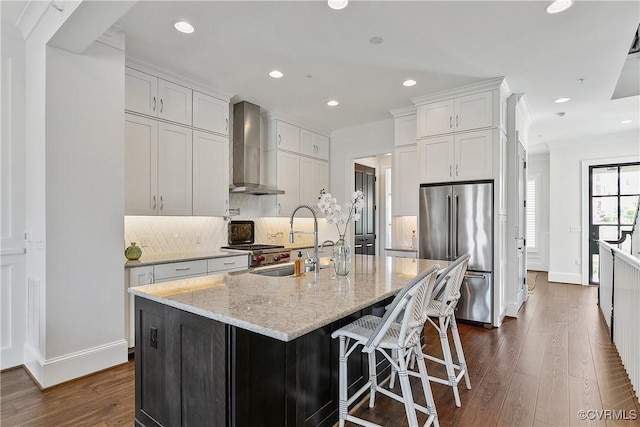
x,y
406,129
322,146
140,92
138,276
435,118
174,170
140,165
210,113
174,102
474,155
307,143
435,159
287,137
474,111
210,174
405,182
314,176
289,181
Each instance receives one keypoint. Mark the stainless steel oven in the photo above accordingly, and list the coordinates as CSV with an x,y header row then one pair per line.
x,y
242,237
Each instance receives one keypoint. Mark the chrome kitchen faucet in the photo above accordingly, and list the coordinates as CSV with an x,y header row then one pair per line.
x,y
315,259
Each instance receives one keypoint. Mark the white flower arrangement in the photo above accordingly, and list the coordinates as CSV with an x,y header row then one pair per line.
x,y
334,213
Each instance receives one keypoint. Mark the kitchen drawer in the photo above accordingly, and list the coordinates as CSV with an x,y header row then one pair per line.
x,y
162,272
231,263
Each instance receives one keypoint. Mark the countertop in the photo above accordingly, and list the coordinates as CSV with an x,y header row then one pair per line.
x,y
180,256
286,308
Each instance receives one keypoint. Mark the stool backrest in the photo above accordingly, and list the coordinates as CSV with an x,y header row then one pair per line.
x,y
413,299
452,278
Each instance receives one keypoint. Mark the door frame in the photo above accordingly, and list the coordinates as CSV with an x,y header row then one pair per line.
x,y
584,234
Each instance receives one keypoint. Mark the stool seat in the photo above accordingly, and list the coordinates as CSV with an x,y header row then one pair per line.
x,y
380,334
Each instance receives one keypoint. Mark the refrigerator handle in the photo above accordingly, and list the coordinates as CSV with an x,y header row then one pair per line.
x,y
448,240
455,233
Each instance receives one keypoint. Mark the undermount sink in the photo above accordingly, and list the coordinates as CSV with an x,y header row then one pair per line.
x,y
279,271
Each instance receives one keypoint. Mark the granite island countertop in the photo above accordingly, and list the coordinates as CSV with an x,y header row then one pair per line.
x,y
286,308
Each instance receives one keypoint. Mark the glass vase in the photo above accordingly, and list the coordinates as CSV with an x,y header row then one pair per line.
x,y
342,257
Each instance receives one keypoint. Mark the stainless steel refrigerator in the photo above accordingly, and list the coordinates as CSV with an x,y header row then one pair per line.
x,y
454,220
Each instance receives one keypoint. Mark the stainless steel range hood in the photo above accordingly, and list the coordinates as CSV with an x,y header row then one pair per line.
x,y
246,151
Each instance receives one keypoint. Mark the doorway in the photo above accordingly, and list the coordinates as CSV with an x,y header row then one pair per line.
x,y
613,197
365,229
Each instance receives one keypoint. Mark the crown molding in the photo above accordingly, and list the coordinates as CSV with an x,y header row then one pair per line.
x,y
403,111
459,91
276,115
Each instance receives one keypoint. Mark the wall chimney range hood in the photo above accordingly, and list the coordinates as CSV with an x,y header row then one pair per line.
x,y
246,151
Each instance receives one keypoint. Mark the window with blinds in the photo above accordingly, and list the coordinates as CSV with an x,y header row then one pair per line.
x,y
531,214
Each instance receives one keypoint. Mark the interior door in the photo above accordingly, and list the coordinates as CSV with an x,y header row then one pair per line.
x,y
365,229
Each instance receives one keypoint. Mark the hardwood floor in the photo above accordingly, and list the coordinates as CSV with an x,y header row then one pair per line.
x,y
538,370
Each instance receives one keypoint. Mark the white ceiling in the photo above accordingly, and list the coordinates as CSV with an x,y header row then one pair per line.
x,y
325,54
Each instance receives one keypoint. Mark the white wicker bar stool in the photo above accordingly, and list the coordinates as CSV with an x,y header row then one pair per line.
x,y
377,334
444,309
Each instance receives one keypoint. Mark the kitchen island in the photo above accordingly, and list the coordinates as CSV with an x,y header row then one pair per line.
x,y
241,349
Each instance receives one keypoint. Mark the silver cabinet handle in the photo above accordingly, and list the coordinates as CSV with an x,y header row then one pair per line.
x,y
226,205
154,103
450,170
154,202
229,263
475,276
457,121
456,169
161,105
161,203
183,269
450,122
279,139
150,277
226,126
278,208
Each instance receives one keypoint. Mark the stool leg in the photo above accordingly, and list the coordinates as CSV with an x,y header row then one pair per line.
x,y
407,396
426,387
461,360
373,379
446,351
343,410
392,380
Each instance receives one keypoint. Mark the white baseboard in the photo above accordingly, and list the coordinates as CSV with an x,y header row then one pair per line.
x,y
57,370
555,276
512,309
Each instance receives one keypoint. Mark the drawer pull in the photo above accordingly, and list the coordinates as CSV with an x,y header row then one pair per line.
x,y
183,269
229,263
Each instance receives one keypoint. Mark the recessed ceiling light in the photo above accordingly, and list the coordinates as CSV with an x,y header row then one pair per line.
x,y
332,103
184,27
276,74
624,122
409,83
561,100
559,6
561,114
337,4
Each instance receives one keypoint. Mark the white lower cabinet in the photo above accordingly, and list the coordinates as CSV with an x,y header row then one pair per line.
x,y
226,264
177,270
210,174
399,253
459,157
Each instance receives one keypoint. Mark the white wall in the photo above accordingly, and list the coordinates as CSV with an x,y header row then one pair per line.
x,y
568,191
12,202
538,167
349,144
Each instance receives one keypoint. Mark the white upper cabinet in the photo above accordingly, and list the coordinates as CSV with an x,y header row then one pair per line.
x,y
314,177
287,137
288,179
150,95
210,113
460,157
464,113
141,165
174,169
405,130
210,174
157,167
141,92
405,180
314,145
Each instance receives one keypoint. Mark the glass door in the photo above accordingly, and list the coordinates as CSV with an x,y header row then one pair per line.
x,y
613,196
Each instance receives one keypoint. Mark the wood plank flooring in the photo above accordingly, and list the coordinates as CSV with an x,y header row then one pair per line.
x,y
538,370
